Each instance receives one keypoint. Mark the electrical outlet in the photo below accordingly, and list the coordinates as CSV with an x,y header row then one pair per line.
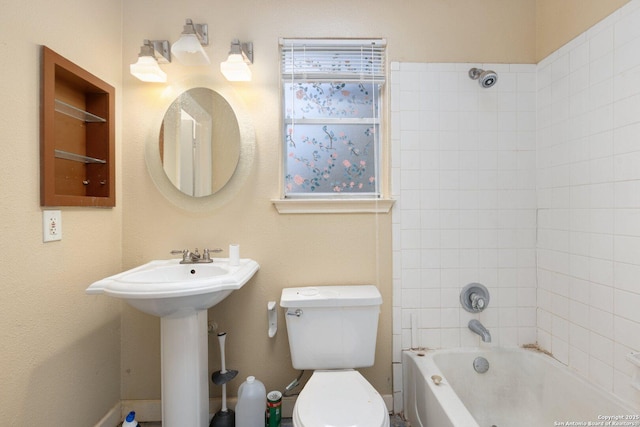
x,y
51,226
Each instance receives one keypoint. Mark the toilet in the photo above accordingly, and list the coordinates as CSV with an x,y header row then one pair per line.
x,y
332,330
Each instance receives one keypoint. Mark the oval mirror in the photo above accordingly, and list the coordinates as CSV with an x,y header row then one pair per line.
x,y
199,142
201,146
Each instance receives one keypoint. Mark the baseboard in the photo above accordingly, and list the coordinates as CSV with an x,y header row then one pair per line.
x,y
151,410
146,410
111,418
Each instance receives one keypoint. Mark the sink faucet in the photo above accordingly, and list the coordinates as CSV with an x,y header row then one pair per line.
x,y
189,257
479,329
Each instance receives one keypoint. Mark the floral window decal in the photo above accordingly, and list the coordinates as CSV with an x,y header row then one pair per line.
x,y
331,110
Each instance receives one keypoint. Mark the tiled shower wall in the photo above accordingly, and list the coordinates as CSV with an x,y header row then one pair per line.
x,y
588,179
532,188
464,177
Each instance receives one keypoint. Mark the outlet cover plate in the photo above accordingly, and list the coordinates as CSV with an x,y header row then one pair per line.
x,y
51,226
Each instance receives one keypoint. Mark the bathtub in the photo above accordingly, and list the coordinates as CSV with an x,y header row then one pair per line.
x,y
524,388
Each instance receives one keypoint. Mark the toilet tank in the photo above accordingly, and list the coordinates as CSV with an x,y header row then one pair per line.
x,y
332,327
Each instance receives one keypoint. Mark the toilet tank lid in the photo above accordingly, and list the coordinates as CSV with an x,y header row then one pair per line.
x,y
331,296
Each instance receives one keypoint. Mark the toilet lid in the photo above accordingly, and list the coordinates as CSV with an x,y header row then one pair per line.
x,y
339,399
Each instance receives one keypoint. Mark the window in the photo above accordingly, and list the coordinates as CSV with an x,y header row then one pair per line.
x,y
331,110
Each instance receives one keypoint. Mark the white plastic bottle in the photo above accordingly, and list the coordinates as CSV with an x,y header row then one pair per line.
x,y
130,420
252,403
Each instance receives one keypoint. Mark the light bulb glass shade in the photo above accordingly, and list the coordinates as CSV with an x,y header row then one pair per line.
x,y
235,69
189,51
148,70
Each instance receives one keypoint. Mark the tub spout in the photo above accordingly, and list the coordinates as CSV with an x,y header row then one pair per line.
x,y
479,329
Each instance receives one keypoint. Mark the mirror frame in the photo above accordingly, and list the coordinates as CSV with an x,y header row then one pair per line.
x,y
245,162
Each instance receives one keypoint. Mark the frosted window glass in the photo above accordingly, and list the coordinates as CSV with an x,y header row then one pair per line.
x,y
331,112
315,100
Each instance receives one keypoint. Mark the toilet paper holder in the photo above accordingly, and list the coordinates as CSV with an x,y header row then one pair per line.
x,y
272,319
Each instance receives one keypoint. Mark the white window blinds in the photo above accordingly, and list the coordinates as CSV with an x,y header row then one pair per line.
x,y
327,59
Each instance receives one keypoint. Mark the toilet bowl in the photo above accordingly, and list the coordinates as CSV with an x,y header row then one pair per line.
x,y
340,398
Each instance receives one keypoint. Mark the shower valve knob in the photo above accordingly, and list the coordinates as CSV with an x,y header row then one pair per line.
x,y
477,302
474,297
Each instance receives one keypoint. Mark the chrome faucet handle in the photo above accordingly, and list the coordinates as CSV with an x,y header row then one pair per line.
x,y
206,256
186,254
477,302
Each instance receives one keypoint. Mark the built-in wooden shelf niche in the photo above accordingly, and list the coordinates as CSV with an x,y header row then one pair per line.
x,y
77,143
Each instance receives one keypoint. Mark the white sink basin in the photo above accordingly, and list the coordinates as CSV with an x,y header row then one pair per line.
x,y
166,287
180,294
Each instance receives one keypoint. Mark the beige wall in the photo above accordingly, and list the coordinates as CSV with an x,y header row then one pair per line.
x,y
558,22
293,250
59,349
62,352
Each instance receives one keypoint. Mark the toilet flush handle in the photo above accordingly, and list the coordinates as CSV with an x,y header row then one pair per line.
x,y
297,312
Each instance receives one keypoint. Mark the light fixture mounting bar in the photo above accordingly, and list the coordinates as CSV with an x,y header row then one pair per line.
x,y
161,50
247,50
200,30
244,49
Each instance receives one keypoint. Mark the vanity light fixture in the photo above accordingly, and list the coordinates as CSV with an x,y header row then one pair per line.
x,y
151,53
236,67
188,49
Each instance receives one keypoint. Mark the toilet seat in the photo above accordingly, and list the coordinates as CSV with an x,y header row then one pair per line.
x,y
340,398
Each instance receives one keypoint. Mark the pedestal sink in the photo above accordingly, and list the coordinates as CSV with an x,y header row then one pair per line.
x,y
180,295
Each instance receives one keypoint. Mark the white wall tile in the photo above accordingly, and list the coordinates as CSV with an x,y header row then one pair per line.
x,y
601,43
627,111
601,373
470,124
533,187
603,194
579,56
627,304
579,360
627,29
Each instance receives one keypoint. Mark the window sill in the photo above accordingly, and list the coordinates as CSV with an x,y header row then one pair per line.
x,y
330,206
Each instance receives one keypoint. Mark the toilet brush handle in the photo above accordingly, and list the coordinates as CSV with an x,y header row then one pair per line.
x,y
224,398
221,338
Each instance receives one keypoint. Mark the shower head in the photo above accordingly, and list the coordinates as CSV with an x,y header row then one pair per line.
x,y
485,78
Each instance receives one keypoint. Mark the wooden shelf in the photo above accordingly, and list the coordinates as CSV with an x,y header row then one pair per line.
x,y
77,148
